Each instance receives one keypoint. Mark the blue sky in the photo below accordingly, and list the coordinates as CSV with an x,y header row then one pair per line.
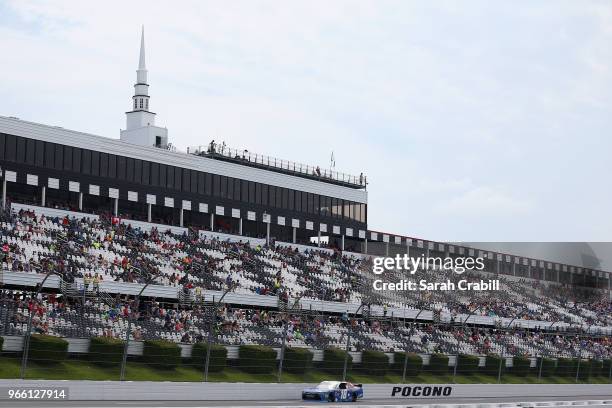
x,y
474,121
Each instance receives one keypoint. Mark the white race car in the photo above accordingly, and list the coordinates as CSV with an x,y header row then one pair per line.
x,y
334,391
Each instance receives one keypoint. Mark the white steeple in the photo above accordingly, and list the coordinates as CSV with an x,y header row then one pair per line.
x,y
140,100
140,123
141,62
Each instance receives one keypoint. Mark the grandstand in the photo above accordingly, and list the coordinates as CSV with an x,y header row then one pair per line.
x,y
142,242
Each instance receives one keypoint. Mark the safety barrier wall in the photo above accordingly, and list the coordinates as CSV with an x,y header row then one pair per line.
x,y
53,212
151,391
148,226
303,248
231,238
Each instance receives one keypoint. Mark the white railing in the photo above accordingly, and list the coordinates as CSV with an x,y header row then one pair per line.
x,y
245,156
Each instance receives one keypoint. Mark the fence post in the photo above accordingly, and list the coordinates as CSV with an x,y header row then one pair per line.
x,y
282,351
26,340
405,365
348,346
578,367
456,362
26,348
501,363
210,339
540,370
126,346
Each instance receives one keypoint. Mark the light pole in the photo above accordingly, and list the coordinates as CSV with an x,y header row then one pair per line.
x,y
406,350
210,331
129,326
457,348
543,357
501,357
580,355
285,329
26,340
348,341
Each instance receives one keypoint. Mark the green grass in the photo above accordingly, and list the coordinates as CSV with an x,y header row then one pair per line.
x,y
74,369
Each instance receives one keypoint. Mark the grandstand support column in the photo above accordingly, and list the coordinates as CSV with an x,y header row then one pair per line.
x,y
116,209
240,226
43,196
80,201
343,243
3,189
268,233
294,231
181,217
365,243
319,239
529,269
149,212
212,222
26,339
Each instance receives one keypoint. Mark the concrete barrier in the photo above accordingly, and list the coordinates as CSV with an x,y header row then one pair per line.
x,y
194,391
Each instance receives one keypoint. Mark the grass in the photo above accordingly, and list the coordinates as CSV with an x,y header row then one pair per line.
x,y
73,369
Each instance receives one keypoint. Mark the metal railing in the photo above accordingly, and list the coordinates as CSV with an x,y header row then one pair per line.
x,y
246,157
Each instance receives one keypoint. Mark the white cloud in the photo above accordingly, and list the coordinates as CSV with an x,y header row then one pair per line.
x,y
485,202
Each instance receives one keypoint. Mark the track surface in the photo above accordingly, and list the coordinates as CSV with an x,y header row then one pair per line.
x,y
289,403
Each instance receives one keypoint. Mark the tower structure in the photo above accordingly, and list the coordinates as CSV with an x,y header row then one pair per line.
x,y
140,121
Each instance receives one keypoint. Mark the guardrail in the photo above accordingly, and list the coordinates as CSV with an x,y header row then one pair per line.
x,y
244,156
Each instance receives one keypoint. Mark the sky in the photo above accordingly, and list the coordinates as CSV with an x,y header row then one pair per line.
x,y
473,120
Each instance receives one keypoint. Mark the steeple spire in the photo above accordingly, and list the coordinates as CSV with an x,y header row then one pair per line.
x,y
140,122
140,100
141,62
141,73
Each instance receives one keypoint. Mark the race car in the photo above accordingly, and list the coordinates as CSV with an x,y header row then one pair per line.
x,y
334,391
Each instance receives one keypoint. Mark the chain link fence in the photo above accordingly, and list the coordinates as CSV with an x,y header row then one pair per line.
x,y
47,336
